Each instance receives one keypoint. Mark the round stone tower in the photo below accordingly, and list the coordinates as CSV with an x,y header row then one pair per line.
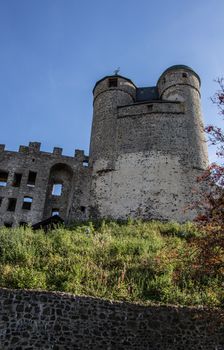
x,y
146,154
109,93
181,83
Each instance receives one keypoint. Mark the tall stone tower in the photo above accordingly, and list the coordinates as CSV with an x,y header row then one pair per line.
x,y
109,93
147,149
147,146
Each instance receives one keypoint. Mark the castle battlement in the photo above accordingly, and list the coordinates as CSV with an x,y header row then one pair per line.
x,y
147,148
35,148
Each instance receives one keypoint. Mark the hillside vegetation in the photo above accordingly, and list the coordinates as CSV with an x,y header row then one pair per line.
x,y
137,261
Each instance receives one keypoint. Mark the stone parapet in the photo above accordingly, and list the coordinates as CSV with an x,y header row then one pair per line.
x,y
42,320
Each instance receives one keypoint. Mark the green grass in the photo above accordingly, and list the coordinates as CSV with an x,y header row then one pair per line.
x,y
137,261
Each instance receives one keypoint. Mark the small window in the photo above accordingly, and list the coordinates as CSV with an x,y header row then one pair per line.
x,y
150,107
83,209
57,189
184,75
55,212
3,178
11,204
31,179
27,201
1,199
8,224
112,82
17,180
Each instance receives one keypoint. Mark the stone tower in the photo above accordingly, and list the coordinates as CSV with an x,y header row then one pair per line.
x,y
147,146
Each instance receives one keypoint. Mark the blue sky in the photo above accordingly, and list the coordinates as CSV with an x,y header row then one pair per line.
x,y
53,51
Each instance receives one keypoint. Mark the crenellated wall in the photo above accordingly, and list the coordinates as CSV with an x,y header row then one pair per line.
x,y
42,165
31,320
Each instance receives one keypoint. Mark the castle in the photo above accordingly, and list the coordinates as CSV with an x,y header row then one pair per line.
x,y
147,148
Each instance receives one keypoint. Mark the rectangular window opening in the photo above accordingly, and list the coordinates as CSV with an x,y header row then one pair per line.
x,y
112,82
27,202
57,189
55,212
11,204
150,107
17,180
31,179
1,199
3,178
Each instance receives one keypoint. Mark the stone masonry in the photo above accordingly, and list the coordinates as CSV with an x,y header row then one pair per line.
x,y
31,320
147,149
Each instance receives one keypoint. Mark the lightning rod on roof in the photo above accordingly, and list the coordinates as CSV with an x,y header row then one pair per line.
x,y
117,71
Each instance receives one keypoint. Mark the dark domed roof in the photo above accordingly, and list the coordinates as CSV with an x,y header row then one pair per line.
x,y
181,66
113,76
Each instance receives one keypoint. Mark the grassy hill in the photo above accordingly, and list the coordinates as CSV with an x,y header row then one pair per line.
x,y
137,261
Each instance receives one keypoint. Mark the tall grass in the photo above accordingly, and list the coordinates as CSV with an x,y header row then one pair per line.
x,y
137,261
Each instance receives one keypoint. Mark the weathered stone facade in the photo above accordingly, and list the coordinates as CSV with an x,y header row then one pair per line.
x,y
31,320
147,148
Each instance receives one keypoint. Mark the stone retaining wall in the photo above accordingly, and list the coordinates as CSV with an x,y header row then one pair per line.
x,y
42,320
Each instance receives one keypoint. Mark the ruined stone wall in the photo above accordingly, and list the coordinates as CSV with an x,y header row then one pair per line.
x,y
49,169
32,320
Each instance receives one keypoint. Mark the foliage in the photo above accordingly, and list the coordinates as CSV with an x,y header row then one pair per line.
x,y
211,220
216,134
137,261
